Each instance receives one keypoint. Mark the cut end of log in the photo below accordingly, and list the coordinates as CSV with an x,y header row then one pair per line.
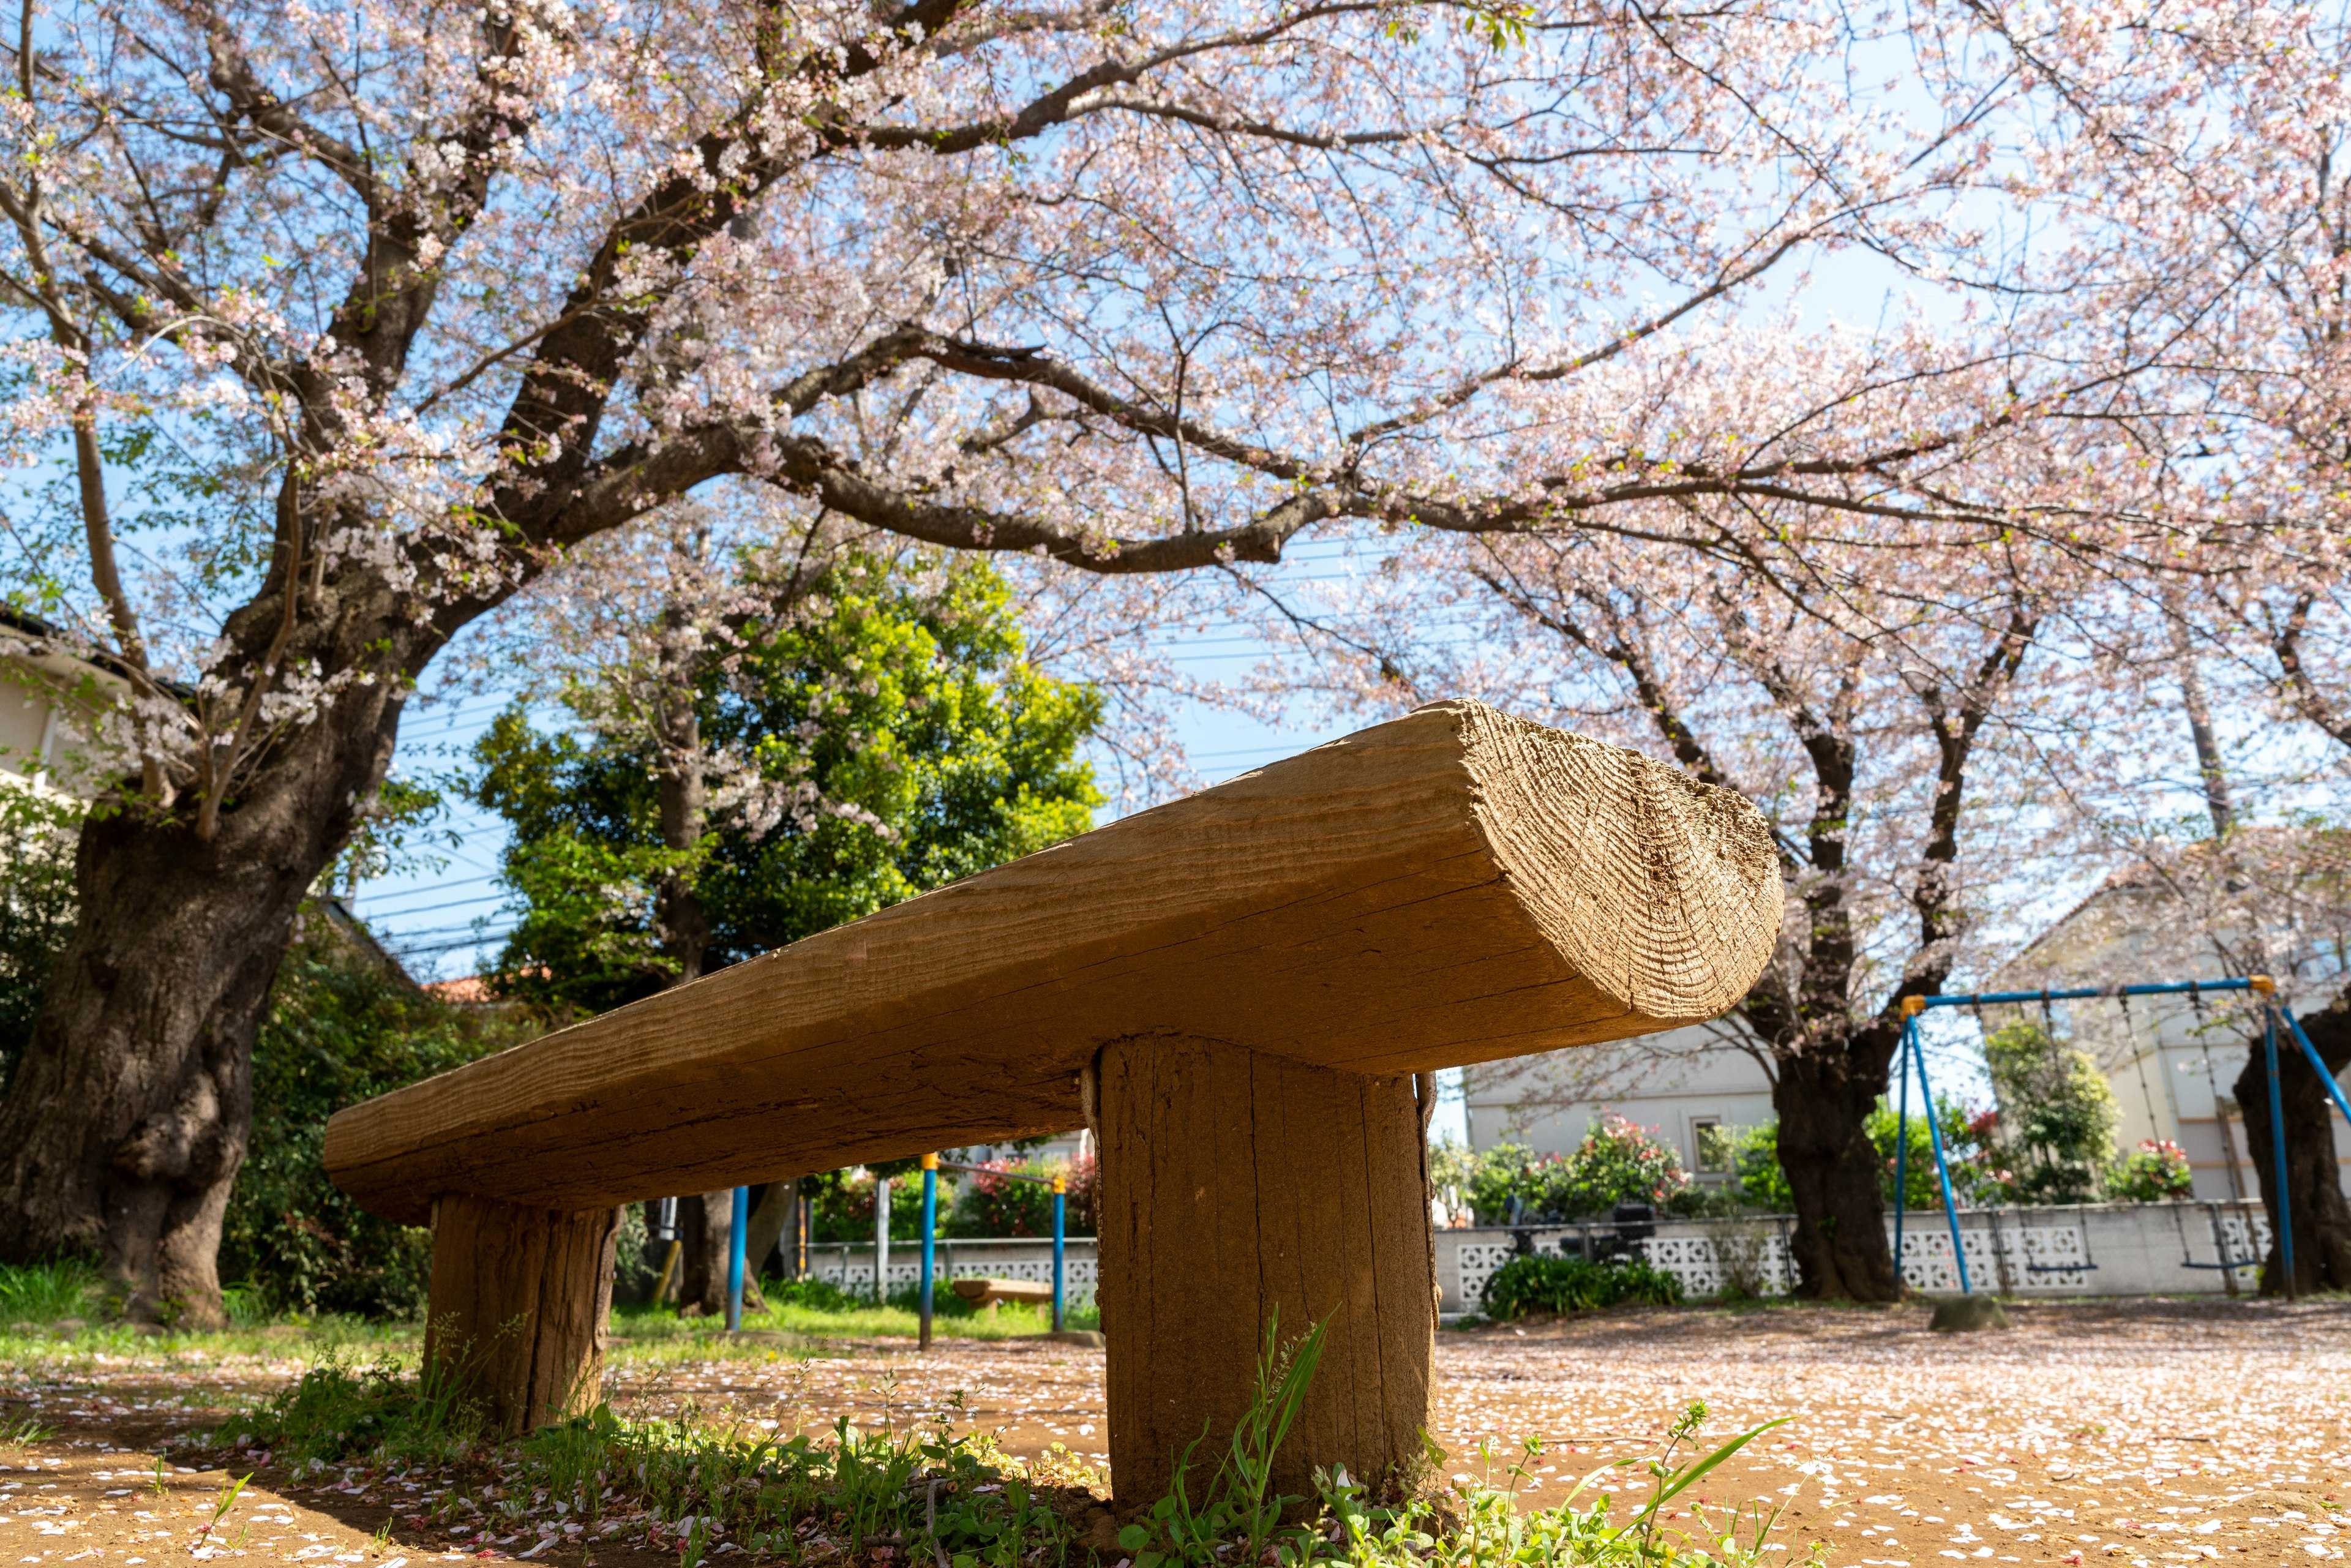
x,y
1662,891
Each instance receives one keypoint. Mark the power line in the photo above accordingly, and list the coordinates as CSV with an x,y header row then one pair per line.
x,y
459,903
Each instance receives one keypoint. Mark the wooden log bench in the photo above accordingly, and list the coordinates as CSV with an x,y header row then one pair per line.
x,y
1237,990
988,1293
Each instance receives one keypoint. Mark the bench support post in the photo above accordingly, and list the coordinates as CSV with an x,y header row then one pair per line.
x,y
518,1309
1233,1184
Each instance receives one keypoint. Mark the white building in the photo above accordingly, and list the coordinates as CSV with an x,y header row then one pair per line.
x,y
1696,1088
49,701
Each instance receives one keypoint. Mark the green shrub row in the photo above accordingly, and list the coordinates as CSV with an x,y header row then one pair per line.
x,y
1536,1283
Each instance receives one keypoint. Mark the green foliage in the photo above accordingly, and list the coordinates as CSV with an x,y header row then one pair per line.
x,y
1479,1525
1539,1283
2155,1172
337,1409
1977,1174
1616,1162
844,1204
1450,1166
811,1293
1238,1505
910,713
43,1293
1756,1170
339,1030
1621,1163
2058,1113
992,1202
36,908
859,1487
397,834
930,1495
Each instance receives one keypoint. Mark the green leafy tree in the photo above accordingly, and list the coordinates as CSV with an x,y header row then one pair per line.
x,y
890,737
36,908
2057,1117
1491,1178
340,1029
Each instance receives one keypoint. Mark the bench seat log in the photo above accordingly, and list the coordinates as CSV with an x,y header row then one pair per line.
x,y
1455,886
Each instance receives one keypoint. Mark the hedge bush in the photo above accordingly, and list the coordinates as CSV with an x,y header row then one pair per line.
x,y
1536,1283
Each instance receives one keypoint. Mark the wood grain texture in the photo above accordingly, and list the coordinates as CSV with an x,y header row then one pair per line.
x,y
1454,886
1235,1186
519,1307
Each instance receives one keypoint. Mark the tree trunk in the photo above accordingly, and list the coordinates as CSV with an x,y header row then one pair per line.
x,y
1235,1185
706,1223
126,1120
2322,1220
520,1301
774,1205
678,913
1833,1172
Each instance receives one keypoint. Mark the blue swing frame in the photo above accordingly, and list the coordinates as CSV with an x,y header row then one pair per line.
x,y
1913,1047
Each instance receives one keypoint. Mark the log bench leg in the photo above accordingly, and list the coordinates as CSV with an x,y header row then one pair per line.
x,y
519,1304
1233,1184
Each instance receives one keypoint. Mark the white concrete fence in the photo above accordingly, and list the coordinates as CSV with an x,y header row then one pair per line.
x,y
850,1264
2095,1249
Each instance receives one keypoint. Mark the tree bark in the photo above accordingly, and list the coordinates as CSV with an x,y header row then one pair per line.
x,y
678,913
774,1205
1824,1100
1235,1186
706,1223
2322,1220
125,1123
519,1305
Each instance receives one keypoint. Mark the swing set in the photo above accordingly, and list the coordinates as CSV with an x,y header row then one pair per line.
x,y
2273,1012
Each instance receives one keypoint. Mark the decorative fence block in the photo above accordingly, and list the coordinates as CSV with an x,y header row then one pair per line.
x,y
849,1266
2092,1250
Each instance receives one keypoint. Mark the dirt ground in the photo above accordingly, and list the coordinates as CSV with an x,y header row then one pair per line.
x,y
2142,1433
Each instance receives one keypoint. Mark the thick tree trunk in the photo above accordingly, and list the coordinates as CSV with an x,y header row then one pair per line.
x,y
2322,1220
126,1121
1832,1169
706,1223
1235,1185
520,1301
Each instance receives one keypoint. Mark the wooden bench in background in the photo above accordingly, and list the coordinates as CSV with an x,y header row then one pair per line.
x,y
988,1293
1237,990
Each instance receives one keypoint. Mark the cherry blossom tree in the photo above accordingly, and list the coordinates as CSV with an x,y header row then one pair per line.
x,y
336,325
1864,725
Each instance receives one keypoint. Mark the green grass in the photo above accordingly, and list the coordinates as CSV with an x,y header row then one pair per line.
x,y
690,1484
814,1310
40,1293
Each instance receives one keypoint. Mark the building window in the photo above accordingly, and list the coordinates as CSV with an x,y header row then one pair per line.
x,y
1711,1144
